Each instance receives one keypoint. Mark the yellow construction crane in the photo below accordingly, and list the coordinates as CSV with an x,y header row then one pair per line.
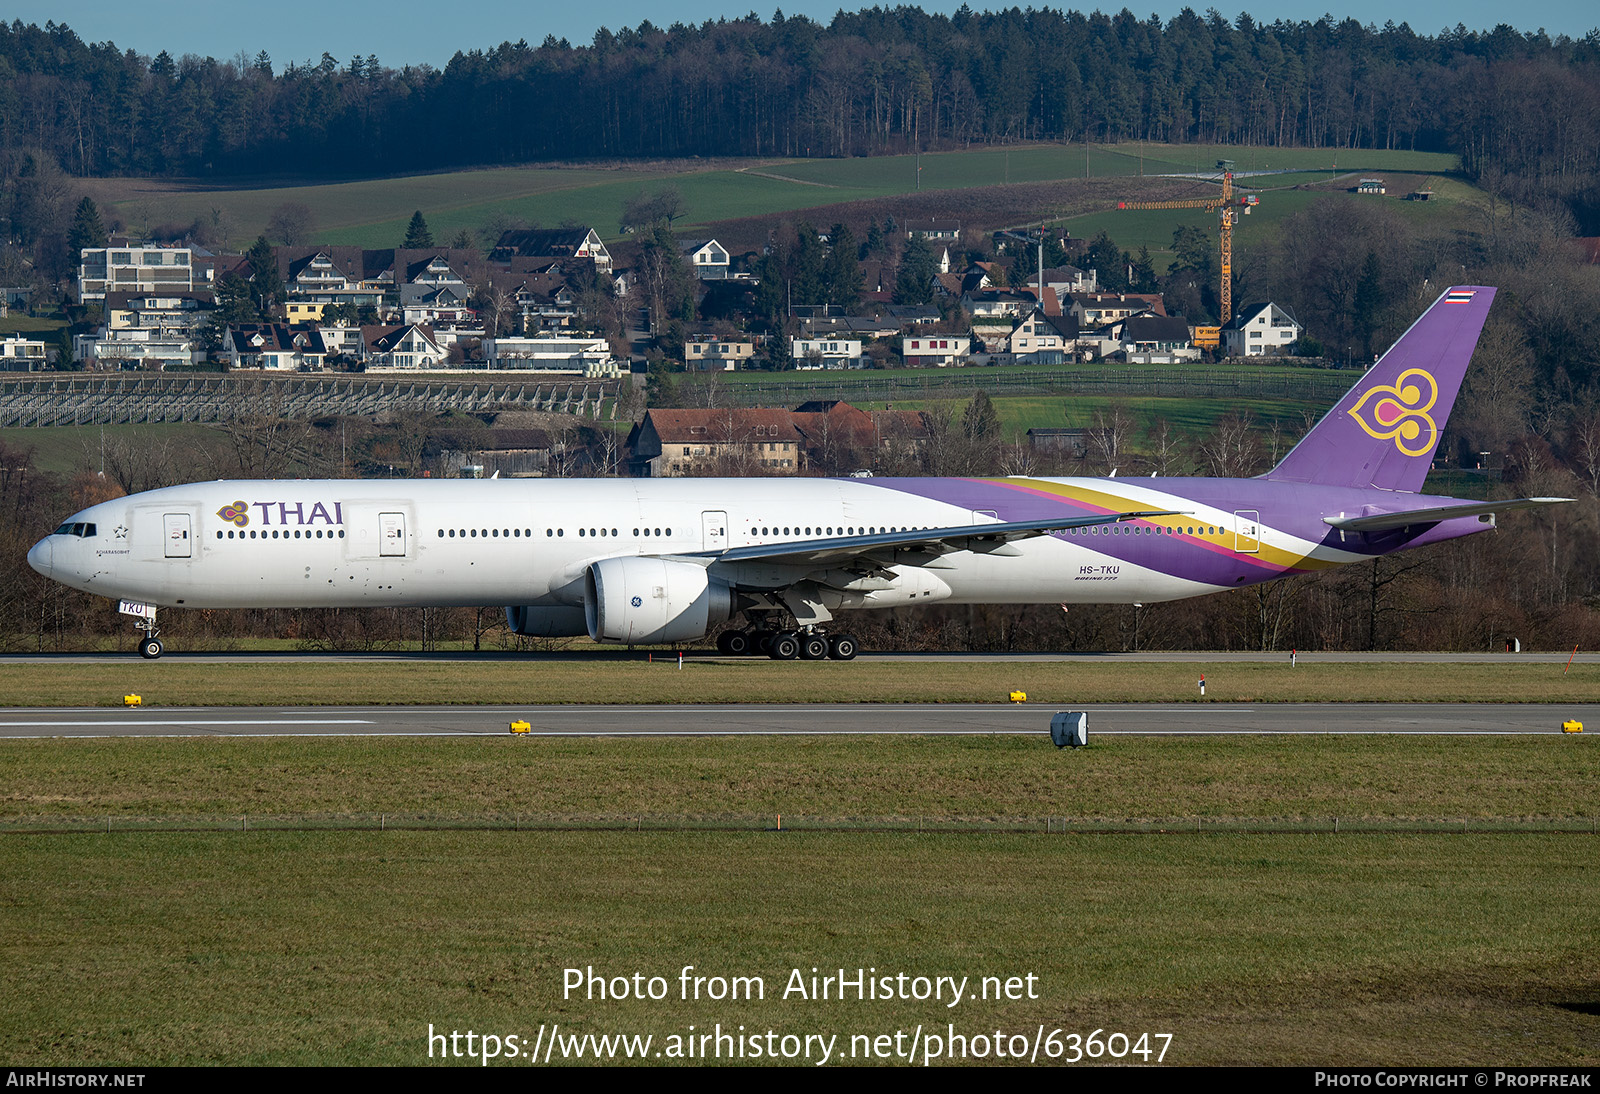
x,y
1228,218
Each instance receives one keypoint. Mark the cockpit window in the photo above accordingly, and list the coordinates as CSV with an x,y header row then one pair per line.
x,y
81,530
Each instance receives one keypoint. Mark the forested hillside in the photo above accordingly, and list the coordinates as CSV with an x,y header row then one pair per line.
x,y
1515,106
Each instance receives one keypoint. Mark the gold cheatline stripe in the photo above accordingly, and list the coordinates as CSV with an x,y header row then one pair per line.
x,y
1273,556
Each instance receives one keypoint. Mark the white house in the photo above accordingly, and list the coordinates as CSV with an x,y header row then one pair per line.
x,y
1259,330
827,353
408,346
274,346
936,350
590,356
708,258
1158,340
135,347
19,354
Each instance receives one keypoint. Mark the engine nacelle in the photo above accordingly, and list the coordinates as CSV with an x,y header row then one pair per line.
x,y
642,601
532,622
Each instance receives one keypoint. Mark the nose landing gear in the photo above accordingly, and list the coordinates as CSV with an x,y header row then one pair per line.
x,y
144,616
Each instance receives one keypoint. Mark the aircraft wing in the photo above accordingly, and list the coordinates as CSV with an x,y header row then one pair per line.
x,y
912,547
1384,522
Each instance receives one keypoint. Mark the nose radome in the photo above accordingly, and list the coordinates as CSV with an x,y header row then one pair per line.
x,y
39,557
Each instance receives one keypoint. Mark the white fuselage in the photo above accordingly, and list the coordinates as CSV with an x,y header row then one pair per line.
x,y
343,543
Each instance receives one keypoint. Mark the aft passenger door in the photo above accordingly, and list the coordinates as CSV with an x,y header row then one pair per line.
x,y
1247,532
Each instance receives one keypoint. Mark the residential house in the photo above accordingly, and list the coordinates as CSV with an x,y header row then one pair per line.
x,y
1158,340
913,315
1094,309
1259,330
19,353
274,346
721,441
552,243
1042,339
136,348
407,347
313,278
994,304
133,268
936,350
705,353
865,327
813,353
544,299
552,353
166,311
708,258
935,230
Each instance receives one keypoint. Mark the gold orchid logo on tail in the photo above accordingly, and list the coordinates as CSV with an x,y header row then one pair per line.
x,y
1400,412
238,513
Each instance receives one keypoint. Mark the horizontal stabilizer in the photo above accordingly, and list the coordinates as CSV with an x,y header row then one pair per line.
x,y
929,542
1410,518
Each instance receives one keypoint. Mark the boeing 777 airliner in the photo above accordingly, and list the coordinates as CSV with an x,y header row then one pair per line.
x,y
660,561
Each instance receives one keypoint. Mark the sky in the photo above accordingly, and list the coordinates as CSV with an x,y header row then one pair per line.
x,y
402,32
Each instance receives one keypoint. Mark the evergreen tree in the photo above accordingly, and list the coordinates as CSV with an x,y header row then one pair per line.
x,y
1144,273
661,390
86,231
235,306
266,283
1110,263
918,265
417,234
841,272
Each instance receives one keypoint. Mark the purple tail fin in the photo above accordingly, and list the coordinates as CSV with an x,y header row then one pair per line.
x,y
1383,432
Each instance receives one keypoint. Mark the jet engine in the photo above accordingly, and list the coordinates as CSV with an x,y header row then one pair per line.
x,y
647,600
533,622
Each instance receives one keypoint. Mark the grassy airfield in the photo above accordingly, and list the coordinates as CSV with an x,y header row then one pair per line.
x,y
190,940
707,678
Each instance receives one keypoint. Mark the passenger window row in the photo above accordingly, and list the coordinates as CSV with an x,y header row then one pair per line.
x,y
486,533
1145,530
274,534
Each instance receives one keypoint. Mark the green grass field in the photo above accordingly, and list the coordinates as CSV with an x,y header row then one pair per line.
x,y
374,212
342,947
1224,779
707,678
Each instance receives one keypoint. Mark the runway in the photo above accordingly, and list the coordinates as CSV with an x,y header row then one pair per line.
x,y
957,719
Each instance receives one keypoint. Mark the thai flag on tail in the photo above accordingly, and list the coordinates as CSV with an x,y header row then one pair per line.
x,y
1458,296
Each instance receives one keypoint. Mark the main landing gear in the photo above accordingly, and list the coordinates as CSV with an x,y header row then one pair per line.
x,y
806,645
